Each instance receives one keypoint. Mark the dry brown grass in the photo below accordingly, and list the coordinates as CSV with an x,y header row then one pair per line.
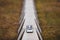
x,y
9,18
49,17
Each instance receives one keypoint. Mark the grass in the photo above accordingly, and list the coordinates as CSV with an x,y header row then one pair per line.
x,y
49,16
9,18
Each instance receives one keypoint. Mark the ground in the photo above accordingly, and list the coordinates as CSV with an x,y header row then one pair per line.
x,y
10,11
48,12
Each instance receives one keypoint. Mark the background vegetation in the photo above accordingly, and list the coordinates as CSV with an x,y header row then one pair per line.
x,y
9,18
48,13
49,16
